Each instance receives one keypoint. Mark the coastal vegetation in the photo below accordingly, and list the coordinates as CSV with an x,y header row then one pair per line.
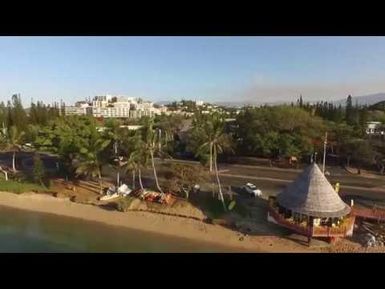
x,y
19,187
38,170
90,155
123,204
86,146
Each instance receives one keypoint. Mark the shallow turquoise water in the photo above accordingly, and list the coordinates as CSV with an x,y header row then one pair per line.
x,y
27,231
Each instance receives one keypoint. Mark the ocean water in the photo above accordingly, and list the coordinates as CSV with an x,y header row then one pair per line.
x,y
31,232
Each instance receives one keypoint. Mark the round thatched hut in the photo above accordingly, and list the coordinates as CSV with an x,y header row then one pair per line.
x,y
311,206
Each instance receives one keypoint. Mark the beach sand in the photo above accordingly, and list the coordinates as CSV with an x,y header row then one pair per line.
x,y
150,222
169,225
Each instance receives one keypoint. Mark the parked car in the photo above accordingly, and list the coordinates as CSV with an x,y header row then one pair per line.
x,y
27,146
252,190
285,162
196,188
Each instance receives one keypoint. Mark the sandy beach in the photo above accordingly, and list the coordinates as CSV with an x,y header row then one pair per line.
x,y
173,226
150,222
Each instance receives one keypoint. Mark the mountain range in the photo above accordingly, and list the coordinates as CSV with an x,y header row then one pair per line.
x,y
369,99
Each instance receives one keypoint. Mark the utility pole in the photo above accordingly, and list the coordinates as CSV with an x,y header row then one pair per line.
x,y
118,163
325,143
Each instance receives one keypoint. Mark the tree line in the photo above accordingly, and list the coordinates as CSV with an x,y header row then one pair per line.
x,y
299,130
269,132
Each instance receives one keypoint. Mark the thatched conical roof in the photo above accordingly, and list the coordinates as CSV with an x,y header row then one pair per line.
x,y
312,194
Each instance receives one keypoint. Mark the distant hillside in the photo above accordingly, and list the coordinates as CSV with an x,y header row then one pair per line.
x,y
247,103
231,103
369,99
378,106
163,102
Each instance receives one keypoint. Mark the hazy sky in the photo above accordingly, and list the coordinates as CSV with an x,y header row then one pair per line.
x,y
208,68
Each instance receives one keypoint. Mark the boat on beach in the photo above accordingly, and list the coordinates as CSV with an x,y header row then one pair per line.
x,y
124,190
113,192
108,197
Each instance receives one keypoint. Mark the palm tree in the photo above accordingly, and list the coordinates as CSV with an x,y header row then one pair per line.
x,y
131,166
137,157
115,133
90,162
12,140
203,134
169,126
4,172
134,164
151,146
215,141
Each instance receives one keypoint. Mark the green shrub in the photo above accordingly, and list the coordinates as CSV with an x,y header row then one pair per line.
x,y
47,182
212,207
38,169
20,187
123,204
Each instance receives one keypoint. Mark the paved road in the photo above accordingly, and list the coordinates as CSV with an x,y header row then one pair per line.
x,y
283,175
24,160
271,181
336,170
377,189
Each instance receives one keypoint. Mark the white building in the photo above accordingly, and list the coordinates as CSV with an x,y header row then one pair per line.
x,y
129,127
373,127
80,108
109,106
101,101
110,112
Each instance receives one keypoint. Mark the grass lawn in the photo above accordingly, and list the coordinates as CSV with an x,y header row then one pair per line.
x,y
213,207
20,187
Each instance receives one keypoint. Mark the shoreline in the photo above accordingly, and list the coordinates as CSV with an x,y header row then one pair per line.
x,y
149,222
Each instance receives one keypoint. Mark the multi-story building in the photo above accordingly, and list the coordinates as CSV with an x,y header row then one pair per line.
x,y
108,112
109,106
80,108
375,128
